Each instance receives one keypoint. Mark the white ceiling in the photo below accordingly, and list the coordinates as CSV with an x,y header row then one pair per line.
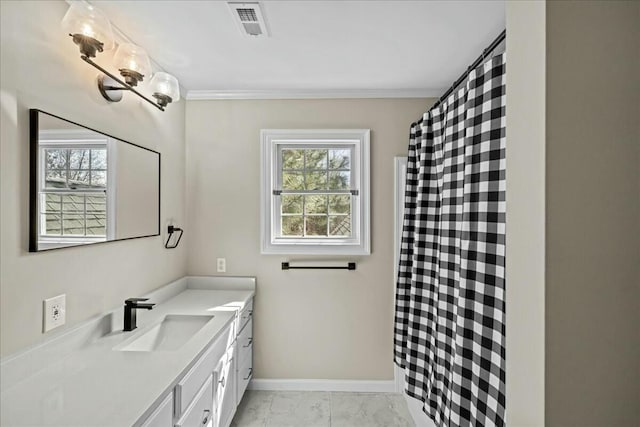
x,y
332,46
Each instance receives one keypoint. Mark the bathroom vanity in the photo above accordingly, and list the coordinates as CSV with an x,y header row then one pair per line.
x,y
188,363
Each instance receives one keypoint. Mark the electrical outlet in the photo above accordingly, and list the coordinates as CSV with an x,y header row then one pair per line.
x,y
54,312
222,265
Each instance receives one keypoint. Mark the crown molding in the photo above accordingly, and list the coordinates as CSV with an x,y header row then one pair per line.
x,y
313,94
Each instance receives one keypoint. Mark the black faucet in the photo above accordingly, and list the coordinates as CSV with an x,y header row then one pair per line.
x,y
130,307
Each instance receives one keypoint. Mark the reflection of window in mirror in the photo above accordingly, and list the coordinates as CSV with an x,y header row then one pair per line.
x,y
76,187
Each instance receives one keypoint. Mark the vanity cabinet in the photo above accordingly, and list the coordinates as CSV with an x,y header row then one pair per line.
x,y
211,390
239,360
188,364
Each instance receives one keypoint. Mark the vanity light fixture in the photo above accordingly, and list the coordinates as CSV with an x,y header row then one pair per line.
x,y
91,31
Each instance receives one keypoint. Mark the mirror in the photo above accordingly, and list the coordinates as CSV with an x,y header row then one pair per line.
x,y
88,187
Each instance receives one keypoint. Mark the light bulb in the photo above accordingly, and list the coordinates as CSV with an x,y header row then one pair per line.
x,y
165,88
90,29
133,63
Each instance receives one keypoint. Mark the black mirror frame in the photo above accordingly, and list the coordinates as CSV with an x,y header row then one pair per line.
x,y
33,181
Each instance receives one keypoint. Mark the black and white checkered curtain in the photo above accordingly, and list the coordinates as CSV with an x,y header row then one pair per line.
x,y
450,296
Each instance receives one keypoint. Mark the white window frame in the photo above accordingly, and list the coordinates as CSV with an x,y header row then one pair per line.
x,y
78,139
272,142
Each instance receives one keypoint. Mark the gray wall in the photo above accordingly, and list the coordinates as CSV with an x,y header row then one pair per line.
x,y
593,214
40,67
525,212
313,324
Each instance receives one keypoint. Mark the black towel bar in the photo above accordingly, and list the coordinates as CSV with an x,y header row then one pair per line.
x,y
349,266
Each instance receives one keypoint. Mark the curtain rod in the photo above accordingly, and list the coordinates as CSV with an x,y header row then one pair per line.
x,y
477,62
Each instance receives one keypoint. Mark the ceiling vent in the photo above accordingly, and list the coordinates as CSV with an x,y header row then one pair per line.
x,y
249,18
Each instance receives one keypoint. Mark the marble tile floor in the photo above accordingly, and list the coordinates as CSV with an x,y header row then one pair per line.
x,y
321,409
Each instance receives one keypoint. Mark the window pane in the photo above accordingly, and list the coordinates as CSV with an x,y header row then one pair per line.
x,y
56,159
51,203
78,179
51,224
316,159
292,226
73,225
316,180
340,225
316,226
99,179
72,203
339,159
56,179
79,159
291,204
292,181
96,225
292,159
339,180
99,159
340,204
315,204
97,204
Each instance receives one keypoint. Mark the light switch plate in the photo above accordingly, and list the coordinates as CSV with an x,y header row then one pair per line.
x,y
54,312
221,265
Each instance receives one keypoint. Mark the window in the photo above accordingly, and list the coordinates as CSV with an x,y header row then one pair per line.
x,y
315,192
73,188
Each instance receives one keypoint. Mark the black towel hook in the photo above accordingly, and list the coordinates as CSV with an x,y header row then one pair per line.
x,y
172,230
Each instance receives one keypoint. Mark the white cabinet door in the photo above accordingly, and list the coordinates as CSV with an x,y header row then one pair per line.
x,y
188,386
245,343
245,314
225,391
163,415
244,374
199,411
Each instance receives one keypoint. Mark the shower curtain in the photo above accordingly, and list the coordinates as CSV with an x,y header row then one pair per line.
x,y
450,295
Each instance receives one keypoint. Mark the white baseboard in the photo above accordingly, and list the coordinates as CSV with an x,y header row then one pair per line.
x,y
323,385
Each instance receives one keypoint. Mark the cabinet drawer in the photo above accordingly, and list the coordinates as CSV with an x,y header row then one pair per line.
x,y
245,373
199,411
245,342
163,415
187,388
245,314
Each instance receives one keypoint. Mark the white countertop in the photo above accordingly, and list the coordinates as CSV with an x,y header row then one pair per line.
x,y
97,385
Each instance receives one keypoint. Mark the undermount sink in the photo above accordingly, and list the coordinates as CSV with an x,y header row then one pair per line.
x,y
170,334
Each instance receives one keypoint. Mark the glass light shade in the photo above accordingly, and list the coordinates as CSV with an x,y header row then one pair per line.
x,y
133,63
165,88
89,27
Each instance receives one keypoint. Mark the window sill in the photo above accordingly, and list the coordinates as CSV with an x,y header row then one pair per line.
x,y
314,249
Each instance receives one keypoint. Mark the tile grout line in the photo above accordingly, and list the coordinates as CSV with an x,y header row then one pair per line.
x,y
268,417
330,408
